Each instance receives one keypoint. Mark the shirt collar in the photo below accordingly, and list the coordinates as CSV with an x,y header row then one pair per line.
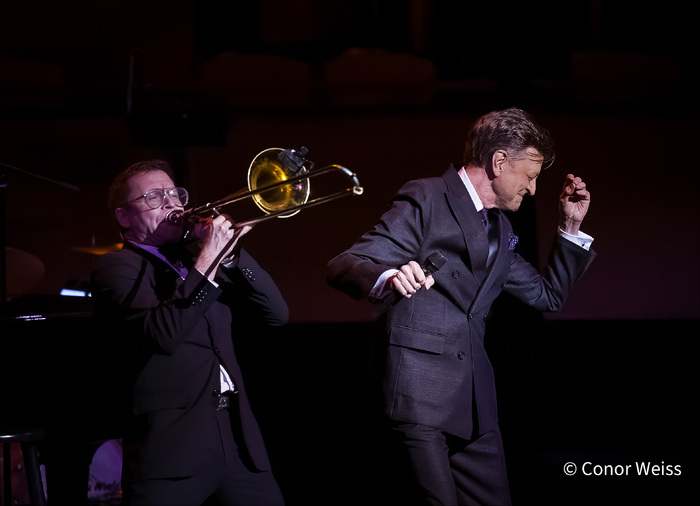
x,y
155,252
470,188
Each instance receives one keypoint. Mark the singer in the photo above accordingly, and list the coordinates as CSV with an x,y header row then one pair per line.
x,y
438,384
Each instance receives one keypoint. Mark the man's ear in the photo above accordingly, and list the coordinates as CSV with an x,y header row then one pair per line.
x,y
498,162
122,218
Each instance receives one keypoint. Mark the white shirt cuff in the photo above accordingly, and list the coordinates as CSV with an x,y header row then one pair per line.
x,y
582,239
379,290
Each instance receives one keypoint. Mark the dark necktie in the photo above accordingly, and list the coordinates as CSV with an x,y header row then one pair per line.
x,y
490,233
485,219
173,254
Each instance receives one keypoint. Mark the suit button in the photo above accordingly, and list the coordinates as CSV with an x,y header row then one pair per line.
x,y
456,274
460,355
216,393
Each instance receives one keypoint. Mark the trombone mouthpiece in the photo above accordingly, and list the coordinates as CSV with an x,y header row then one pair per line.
x,y
175,216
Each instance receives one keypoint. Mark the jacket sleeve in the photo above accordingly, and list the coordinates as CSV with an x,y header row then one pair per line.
x,y
394,241
549,291
256,292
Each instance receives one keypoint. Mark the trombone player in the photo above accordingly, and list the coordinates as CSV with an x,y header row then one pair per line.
x,y
172,312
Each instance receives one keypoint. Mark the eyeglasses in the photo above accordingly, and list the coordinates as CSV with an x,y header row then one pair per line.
x,y
155,198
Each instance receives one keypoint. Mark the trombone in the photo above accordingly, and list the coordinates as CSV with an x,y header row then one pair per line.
x,y
278,183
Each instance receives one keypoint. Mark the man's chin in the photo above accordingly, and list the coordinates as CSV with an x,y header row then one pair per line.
x,y
166,234
171,239
515,205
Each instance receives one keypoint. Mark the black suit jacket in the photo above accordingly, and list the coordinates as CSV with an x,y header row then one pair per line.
x,y
437,372
170,336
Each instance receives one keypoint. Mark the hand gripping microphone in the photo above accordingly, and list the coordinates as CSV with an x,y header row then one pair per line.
x,y
430,266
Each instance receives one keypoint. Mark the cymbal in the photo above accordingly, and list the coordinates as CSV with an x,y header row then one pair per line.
x,y
99,250
24,271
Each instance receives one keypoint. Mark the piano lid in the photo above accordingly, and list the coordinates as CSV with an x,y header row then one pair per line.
x,y
45,307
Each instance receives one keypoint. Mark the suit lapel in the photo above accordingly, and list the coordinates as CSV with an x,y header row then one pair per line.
x,y
476,240
469,221
499,263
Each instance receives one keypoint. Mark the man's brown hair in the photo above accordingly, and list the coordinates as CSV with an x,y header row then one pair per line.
x,y
513,130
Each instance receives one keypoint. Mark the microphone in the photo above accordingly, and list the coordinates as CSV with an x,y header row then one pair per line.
x,y
433,263
430,266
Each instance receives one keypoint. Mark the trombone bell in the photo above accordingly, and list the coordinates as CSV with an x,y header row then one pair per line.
x,y
268,169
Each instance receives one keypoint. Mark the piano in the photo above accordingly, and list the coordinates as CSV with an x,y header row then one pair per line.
x,y
55,374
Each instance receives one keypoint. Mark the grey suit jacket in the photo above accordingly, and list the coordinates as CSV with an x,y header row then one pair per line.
x,y
437,372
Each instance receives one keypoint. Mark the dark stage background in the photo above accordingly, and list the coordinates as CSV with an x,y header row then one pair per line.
x,y
387,89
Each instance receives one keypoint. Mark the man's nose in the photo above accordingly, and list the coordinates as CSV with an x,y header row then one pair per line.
x,y
532,187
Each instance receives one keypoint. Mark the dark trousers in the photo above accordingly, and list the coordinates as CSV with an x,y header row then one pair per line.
x,y
450,471
224,481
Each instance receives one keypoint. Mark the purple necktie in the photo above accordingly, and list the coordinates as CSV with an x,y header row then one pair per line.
x,y
493,242
485,219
